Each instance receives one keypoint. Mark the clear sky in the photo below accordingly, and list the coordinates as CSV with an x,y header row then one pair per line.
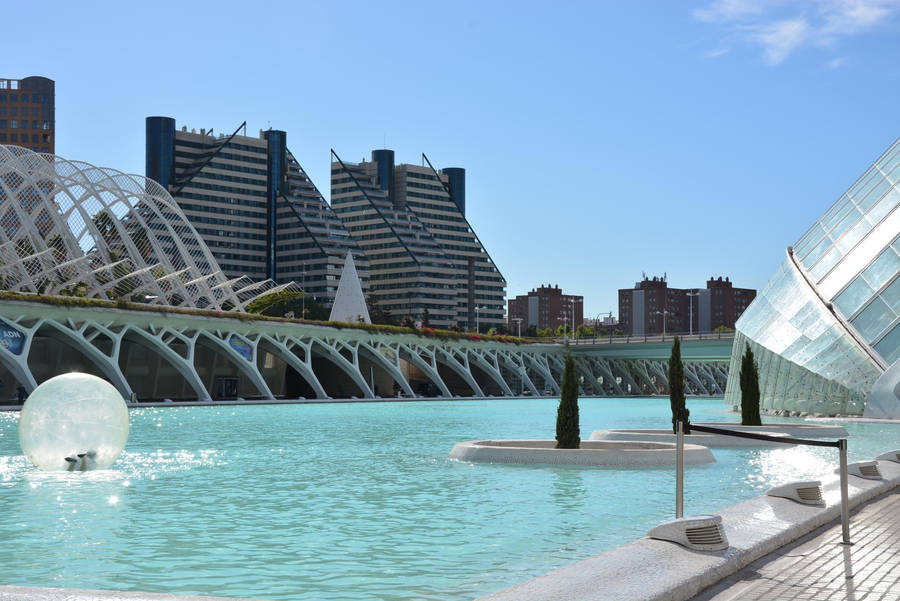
x,y
601,140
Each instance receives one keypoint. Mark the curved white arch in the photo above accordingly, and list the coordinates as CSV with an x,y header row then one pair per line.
x,y
113,234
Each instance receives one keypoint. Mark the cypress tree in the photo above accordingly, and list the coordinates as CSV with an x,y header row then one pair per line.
x,y
567,429
676,388
749,390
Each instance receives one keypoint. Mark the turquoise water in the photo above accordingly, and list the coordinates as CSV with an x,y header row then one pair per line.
x,y
357,501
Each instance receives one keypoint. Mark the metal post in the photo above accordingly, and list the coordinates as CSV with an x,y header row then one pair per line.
x,y
845,502
679,470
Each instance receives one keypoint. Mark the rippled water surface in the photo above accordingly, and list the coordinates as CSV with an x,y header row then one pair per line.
x,y
357,501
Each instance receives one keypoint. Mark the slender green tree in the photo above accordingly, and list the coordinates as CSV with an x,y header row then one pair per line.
x,y
567,429
749,390
676,387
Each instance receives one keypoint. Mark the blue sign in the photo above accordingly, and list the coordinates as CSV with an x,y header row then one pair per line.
x,y
241,346
11,339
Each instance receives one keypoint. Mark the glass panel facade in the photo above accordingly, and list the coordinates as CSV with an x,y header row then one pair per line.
x,y
851,218
891,296
889,346
810,358
853,297
872,320
807,345
882,269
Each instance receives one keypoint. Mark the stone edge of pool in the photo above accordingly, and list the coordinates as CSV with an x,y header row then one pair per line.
x,y
653,570
33,593
591,453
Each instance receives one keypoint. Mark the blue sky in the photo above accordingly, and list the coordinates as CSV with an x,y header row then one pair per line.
x,y
601,140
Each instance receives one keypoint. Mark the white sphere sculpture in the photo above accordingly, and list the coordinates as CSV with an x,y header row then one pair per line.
x,y
76,416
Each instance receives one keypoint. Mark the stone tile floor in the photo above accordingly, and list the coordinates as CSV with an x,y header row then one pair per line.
x,y
818,567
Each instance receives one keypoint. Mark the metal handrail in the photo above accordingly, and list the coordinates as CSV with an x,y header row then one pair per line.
x,y
840,444
668,337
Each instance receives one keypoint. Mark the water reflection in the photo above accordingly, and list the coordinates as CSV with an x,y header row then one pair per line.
x,y
780,466
568,489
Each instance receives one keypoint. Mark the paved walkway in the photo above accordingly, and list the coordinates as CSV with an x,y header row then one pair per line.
x,y
818,567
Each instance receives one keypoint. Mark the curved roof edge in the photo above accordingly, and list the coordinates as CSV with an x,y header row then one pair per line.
x,y
848,329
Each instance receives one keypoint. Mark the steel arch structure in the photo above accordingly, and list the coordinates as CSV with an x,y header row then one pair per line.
x,y
72,228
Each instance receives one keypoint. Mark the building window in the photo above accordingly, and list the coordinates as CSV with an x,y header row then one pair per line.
x,y
45,125
2,137
2,123
13,123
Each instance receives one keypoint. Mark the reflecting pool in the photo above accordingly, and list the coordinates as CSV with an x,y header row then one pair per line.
x,y
357,501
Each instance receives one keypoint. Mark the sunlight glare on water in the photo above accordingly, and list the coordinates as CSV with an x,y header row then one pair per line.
x,y
358,501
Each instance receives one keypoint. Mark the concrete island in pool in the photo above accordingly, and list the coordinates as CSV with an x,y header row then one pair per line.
x,y
627,453
721,440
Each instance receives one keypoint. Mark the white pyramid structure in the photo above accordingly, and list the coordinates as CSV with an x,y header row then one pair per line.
x,y
349,302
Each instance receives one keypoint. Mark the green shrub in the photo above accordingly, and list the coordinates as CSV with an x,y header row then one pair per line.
x,y
749,390
680,411
568,435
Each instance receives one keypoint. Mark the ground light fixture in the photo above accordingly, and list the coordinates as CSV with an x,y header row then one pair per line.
x,y
864,469
890,456
807,492
698,533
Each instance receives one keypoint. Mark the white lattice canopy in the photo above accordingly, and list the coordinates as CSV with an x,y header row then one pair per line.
x,y
70,228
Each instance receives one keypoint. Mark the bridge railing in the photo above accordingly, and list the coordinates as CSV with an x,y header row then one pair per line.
x,y
638,339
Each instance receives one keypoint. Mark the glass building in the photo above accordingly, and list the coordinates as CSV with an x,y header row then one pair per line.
x,y
827,324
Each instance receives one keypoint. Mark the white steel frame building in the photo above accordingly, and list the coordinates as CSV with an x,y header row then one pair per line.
x,y
71,228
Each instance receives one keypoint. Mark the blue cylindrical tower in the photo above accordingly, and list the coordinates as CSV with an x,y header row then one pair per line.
x,y
456,178
385,161
276,180
159,152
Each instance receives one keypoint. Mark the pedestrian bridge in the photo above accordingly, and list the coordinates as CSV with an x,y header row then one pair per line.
x,y
153,355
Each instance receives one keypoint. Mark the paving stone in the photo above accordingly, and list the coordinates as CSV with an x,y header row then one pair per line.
x,y
817,566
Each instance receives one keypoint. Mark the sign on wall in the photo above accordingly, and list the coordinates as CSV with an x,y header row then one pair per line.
x,y
11,339
241,346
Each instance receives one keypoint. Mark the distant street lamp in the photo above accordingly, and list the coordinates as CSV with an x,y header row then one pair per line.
x,y
572,301
597,322
477,323
518,321
690,296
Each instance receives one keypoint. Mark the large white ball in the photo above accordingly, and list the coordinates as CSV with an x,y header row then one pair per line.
x,y
73,414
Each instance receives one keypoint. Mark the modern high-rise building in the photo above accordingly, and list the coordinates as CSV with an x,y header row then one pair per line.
x,y
28,113
825,330
544,307
651,307
253,204
423,254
